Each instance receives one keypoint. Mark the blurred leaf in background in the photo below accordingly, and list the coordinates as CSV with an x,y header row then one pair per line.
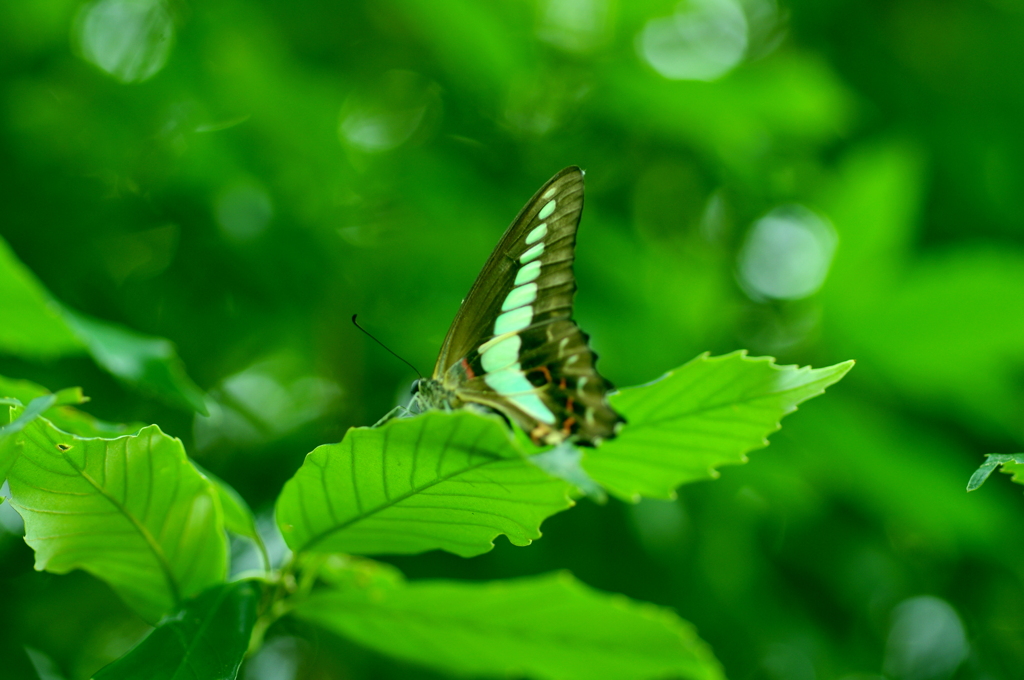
x,y
795,178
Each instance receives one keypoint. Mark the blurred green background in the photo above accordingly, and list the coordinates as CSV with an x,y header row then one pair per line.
x,y
816,181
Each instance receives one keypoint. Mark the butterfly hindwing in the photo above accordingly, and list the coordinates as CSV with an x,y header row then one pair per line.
x,y
563,385
513,346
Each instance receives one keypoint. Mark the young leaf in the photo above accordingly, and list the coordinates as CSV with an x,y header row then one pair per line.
x,y
1010,462
205,640
549,626
15,424
238,517
65,417
707,413
450,481
132,511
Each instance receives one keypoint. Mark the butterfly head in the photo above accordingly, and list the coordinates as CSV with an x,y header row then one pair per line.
x,y
428,393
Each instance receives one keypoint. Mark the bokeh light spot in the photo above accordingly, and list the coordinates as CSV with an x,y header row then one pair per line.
x,y
269,399
578,26
129,39
278,659
787,254
703,40
243,212
388,114
926,641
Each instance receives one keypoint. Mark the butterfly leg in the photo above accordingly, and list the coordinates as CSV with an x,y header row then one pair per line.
x,y
397,412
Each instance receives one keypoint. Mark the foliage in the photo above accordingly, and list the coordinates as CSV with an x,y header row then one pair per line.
x,y
222,185
516,628
1010,463
207,638
130,510
136,513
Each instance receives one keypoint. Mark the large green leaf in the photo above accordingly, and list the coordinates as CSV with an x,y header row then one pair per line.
x,y
548,626
132,511
205,640
709,412
34,325
450,481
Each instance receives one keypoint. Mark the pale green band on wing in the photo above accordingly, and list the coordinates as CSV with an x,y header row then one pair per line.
x,y
515,320
546,211
533,253
527,273
538,232
502,354
523,295
513,385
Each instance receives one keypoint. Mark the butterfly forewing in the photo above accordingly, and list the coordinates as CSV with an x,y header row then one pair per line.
x,y
513,346
474,322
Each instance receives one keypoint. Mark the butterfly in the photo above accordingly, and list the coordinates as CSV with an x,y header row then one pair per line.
x,y
513,346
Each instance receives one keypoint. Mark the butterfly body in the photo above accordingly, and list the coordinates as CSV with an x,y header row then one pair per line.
x,y
513,346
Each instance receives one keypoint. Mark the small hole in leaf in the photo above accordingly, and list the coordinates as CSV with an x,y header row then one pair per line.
x,y
63,447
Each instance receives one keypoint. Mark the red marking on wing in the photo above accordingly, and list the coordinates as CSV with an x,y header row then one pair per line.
x,y
567,425
469,371
571,420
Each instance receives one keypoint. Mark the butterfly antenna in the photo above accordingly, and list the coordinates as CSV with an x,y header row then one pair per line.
x,y
385,346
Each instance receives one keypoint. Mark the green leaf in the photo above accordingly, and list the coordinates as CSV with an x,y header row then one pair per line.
x,y
9,445
143,361
709,412
205,640
549,626
450,481
37,407
32,325
37,326
1009,463
238,517
132,511
63,416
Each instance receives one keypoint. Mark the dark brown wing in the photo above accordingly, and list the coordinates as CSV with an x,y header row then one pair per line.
x,y
474,322
513,345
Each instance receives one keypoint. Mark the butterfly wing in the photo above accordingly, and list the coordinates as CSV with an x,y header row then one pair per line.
x,y
513,345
